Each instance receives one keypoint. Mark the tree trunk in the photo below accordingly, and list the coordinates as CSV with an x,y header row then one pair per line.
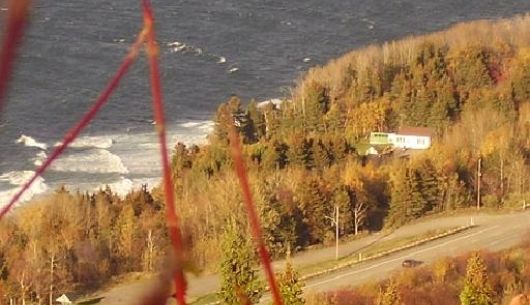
x,y
358,216
150,249
355,223
23,288
52,263
502,180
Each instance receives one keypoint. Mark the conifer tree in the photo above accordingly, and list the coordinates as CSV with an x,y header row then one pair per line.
x,y
316,104
239,280
477,290
258,120
315,206
321,158
335,118
290,286
299,152
272,120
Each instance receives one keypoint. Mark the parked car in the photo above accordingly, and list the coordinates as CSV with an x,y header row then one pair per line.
x,y
410,263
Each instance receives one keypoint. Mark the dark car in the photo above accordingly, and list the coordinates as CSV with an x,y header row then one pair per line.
x,y
410,263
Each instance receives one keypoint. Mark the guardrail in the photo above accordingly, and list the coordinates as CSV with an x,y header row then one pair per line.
x,y
386,253
379,255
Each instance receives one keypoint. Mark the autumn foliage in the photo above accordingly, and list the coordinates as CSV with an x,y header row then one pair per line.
x,y
300,161
475,278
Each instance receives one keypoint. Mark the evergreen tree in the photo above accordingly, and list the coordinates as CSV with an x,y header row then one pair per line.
x,y
290,286
521,82
258,121
316,103
229,115
275,155
477,290
340,148
239,281
315,206
471,70
299,153
335,118
272,120
321,157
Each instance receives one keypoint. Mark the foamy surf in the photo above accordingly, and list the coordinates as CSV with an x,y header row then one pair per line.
x,y
91,141
178,46
275,101
31,142
39,158
18,178
95,161
183,48
196,124
121,187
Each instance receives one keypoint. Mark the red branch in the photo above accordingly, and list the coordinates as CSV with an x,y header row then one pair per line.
x,y
14,30
239,165
85,120
158,112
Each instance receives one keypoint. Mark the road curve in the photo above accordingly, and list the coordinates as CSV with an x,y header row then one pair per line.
x,y
492,233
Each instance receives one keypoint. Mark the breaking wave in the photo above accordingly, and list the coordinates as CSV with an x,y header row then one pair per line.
x,y
90,161
31,142
18,178
39,158
91,141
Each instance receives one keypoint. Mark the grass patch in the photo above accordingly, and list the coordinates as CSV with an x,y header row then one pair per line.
x,y
206,299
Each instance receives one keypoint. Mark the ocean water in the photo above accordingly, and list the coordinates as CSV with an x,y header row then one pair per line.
x,y
210,49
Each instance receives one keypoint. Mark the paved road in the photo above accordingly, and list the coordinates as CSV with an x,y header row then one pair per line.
x,y
494,232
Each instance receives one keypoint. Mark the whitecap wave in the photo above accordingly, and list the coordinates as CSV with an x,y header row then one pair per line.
x,y
124,186
121,187
207,128
178,46
31,142
190,124
204,126
181,47
18,179
198,124
91,161
39,158
90,141
275,101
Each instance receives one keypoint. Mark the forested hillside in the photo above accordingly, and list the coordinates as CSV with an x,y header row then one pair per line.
x,y
470,84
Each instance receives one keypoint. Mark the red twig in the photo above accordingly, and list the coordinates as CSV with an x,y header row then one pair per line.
x,y
158,112
239,165
14,30
85,120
